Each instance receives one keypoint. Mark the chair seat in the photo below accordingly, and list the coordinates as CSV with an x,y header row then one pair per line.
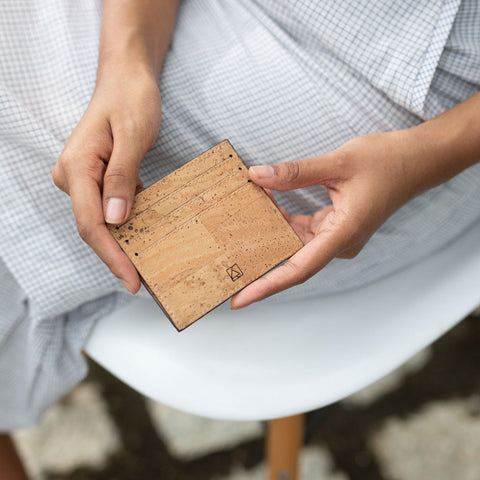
x,y
274,360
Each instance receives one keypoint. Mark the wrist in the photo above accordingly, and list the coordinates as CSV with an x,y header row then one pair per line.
x,y
128,57
425,155
136,33
449,143
439,150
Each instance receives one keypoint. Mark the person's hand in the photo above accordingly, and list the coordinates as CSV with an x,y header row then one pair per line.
x,y
367,179
99,165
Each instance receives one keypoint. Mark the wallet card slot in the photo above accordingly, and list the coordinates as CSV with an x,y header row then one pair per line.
x,y
156,225
184,176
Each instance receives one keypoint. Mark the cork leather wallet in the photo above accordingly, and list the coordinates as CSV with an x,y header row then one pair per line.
x,y
202,233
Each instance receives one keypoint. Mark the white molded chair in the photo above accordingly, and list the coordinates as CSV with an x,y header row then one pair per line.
x,y
279,360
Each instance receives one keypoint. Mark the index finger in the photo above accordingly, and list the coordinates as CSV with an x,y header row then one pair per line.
x,y
300,267
87,208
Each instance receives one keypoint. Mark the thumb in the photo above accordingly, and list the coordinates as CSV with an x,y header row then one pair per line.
x,y
293,174
121,179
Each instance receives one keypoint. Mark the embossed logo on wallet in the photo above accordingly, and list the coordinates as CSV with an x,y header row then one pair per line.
x,y
234,272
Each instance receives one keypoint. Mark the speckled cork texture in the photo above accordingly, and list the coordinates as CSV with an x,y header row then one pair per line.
x,y
202,233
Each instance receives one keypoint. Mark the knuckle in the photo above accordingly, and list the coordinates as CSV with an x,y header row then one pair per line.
x,y
291,171
136,129
84,232
298,274
94,169
70,154
339,220
357,143
57,177
125,122
128,127
66,159
348,227
116,174
74,165
343,158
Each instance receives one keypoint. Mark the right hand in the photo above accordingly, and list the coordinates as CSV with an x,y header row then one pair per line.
x,y
100,162
368,179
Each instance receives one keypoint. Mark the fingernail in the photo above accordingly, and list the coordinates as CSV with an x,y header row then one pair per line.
x,y
263,171
115,210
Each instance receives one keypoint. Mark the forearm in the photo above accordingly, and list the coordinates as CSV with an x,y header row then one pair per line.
x,y
444,146
136,34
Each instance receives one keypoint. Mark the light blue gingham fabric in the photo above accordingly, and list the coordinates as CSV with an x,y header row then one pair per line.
x,y
280,79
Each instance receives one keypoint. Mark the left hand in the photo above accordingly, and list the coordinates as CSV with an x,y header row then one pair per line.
x,y
99,164
367,180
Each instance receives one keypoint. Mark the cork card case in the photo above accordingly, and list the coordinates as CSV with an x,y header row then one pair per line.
x,y
202,233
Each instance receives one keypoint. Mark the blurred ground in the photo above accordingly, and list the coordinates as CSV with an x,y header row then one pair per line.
x,y
421,422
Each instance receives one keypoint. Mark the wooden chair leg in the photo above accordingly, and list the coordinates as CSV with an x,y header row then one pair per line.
x,y
10,464
284,441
